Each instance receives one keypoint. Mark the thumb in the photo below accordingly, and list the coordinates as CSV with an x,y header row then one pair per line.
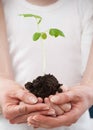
x,y
25,96
62,98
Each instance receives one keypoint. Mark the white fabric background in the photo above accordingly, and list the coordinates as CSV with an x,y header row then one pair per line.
x,y
65,58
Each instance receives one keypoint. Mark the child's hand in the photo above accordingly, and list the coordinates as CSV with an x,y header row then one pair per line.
x,y
59,109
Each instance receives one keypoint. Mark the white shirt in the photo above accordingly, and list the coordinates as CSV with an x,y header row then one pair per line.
x,y
65,57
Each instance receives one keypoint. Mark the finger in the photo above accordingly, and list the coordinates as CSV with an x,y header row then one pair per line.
x,y
12,111
52,122
63,98
24,96
40,100
46,100
43,121
58,110
51,112
66,107
21,119
26,108
64,88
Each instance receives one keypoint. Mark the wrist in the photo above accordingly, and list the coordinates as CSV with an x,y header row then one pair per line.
x,y
87,81
87,89
4,76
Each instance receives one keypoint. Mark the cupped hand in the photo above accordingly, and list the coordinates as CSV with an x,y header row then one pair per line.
x,y
35,109
59,109
11,96
81,98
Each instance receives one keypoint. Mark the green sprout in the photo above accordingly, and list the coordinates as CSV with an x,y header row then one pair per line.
x,y
38,18
54,32
43,35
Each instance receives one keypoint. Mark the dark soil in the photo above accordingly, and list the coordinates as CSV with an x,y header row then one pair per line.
x,y
44,86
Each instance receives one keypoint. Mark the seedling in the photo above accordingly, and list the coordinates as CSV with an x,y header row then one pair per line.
x,y
54,32
45,85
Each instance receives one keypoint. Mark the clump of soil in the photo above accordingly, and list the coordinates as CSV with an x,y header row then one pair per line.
x,y
44,86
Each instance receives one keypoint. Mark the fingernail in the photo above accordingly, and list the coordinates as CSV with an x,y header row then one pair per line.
x,y
66,107
33,100
35,118
54,99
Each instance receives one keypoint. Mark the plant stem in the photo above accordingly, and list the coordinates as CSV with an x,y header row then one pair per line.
x,y
43,52
44,57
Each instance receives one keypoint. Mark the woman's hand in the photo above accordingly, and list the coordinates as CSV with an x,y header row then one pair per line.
x,y
54,110
59,109
11,97
81,98
35,109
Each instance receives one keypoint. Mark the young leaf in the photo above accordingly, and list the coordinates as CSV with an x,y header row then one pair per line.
x,y
43,35
36,36
32,15
56,32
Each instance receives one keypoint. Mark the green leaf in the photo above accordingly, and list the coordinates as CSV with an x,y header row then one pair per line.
x,y
56,32
43,35
37,17
36,36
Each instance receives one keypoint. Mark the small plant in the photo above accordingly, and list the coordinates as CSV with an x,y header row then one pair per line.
x,y
43,35
45,85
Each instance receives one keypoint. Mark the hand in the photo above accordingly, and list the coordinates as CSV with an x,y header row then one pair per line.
x,y
59,109
81,98
11,96
35,109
